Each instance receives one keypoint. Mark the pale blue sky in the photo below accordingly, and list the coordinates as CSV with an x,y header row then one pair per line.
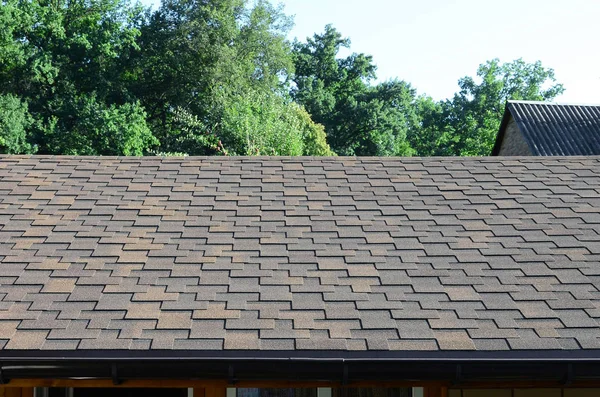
x,y
432,43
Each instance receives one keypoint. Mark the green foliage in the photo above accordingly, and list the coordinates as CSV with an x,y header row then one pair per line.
x,y
253,125
472,119
190,135
89,127
204,56
65,58
15,120
217,77
263,52
314,137
60,44
427,136
265,124
360,119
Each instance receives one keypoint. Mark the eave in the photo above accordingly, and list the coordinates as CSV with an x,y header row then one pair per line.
x,y
306,369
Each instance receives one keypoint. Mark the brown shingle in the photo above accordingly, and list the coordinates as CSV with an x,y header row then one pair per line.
x,y
396,254
65,285
27,340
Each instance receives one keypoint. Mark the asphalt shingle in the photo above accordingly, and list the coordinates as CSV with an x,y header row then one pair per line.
x,y
269,253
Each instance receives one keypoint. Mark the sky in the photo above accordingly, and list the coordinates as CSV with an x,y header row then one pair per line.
x,y
432,43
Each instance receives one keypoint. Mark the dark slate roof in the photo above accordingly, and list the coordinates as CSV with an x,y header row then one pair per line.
x,y
298,254
552,129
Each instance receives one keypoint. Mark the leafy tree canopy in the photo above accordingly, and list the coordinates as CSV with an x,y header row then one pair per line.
x,y
217,77
14,122
64,59
359,118
204,58
467,124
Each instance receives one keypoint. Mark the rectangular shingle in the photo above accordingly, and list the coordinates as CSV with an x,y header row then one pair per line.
x,y
269,253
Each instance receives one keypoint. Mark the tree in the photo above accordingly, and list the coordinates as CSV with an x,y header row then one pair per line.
x,y
179,67
15,120
472,118
99,129
214,77
265,124
253,125
314,137
359,119
208,60
428,135
65,59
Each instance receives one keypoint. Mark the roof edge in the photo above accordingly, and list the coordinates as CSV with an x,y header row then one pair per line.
x,y
341,371
295,355
175,159
556,103
502,131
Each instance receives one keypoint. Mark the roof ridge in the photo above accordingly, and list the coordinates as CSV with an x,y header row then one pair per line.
x,y
553,103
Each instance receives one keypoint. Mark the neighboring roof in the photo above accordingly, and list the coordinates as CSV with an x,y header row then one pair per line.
x,y
284,255
552,129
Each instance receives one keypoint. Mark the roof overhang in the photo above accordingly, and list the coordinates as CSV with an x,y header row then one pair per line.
x,y
340,368
436,278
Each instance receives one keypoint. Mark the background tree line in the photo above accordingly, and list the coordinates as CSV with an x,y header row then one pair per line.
x,y
210,77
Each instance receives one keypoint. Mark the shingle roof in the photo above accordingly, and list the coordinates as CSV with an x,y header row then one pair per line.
x,y
552,129
284,254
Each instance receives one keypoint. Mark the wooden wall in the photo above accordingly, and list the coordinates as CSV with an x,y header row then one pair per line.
x,y
16,391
